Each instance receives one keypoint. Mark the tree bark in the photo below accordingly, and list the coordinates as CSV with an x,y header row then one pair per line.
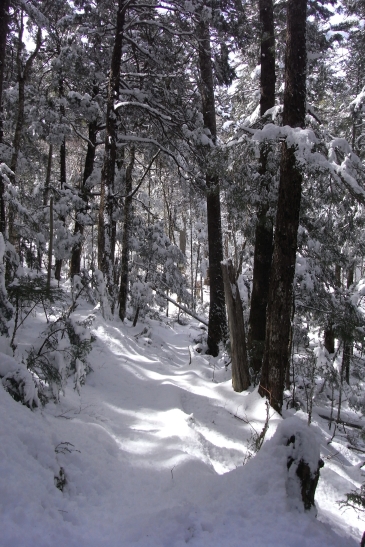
x,y
4,27
22,77
329,335
264,226
61,91
106,234
127,224
50,246
348,346
240,369
75,265
329,338
48,176
217,315
276,355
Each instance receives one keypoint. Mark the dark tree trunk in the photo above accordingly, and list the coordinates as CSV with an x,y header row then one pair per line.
x,y
264,226
217,315
75,266
61,91
127,224
106,234
50,246
267,59
348,346
22,77
48,176
329,335
329,339
260,290
4,26
240,372
276,357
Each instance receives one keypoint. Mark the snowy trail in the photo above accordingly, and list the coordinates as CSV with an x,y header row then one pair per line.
x,y
154,458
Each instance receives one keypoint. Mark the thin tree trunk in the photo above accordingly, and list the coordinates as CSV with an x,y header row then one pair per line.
x,y
22,77
344,364
106,234
48,176
127,225
329,335
240,369
329,338
50,247
4,27
58,264
75,265
348,347
217,316
264,226
276,355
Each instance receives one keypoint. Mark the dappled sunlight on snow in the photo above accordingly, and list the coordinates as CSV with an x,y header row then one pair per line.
x,y
153,449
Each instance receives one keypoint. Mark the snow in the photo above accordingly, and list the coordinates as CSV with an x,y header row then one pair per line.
x,y
156,454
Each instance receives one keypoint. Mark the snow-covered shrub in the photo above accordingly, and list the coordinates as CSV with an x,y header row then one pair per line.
x,y
27,290
356,499
62,352
93,285
18,381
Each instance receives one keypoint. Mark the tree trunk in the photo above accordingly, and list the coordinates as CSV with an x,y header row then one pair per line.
x,y
348,347
240,371
75,266
329,338
48,176
329,335
217,316
106,234
50,246
127,224
264,226
22,77
276,357
61,90
4,27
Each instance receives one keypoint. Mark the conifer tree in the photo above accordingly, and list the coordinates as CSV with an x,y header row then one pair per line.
x,y
276,355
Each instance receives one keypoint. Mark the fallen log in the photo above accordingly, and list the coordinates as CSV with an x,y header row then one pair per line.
x,y
183,308
348,424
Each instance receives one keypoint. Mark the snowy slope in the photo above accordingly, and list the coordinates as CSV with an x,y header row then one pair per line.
x,y
153,453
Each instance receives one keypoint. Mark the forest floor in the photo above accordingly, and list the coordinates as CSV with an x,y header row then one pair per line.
x,y
156,451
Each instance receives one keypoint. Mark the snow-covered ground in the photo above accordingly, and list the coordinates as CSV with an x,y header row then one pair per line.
x,y
155,452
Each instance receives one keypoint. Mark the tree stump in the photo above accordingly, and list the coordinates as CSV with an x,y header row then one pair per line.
x,y
240,369
303,466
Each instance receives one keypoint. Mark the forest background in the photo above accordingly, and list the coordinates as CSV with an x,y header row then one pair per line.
x,y
145,150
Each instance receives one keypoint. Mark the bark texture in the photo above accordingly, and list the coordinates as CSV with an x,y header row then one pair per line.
x,y
240,371
107,227
61,92
348,345
79,225
4,26
127,224
217,314
264,226
23,72
276,355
